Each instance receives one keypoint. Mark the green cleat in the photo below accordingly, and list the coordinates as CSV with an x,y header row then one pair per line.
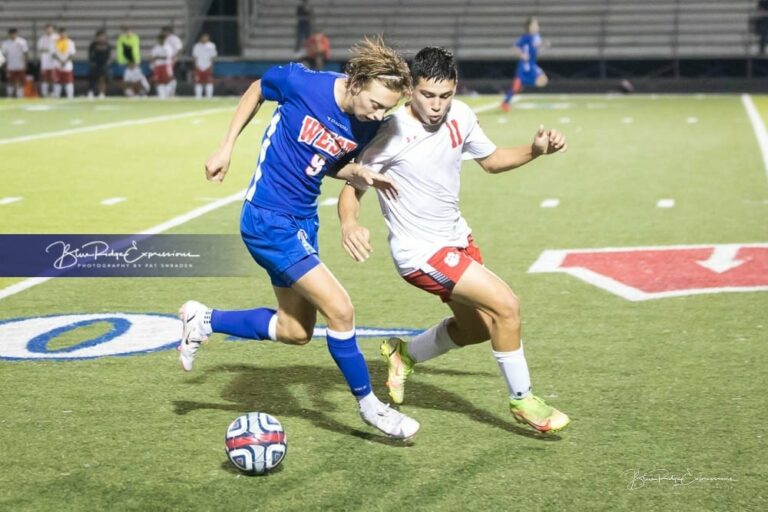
x,y
400,366
533,411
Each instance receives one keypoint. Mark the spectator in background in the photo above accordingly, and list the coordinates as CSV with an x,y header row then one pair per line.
x,y
318,50
15,49
204,52
173,42
128,48
134,81
98,59
761,25
46,45
305,22
162,73
2,59
62,56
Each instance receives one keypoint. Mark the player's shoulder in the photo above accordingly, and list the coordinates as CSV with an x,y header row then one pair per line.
x,y
461,111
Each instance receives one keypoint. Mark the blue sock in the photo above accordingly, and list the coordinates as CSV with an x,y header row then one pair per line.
x,y
344,350
248,323
508,95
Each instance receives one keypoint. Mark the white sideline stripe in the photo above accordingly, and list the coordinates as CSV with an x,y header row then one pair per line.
x,y
113,200
665,203
165,226
550,203
758,126
118,124
9,200
487,107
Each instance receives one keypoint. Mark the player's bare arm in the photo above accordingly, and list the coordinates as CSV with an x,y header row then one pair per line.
x,y
545,142
217,165
355,239
361,177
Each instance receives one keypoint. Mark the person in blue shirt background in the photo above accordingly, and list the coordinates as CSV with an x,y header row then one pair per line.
x,y
528,73
321,122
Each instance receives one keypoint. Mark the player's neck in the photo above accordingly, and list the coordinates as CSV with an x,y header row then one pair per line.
x,y
342,95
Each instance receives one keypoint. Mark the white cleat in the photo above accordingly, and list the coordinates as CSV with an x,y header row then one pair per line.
x,y
191,314
391,422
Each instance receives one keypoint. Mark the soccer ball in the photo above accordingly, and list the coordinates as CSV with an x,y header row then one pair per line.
x,y
256,443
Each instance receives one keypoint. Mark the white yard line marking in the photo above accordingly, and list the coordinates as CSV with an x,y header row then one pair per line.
x,y
113,200
565,120
9,200
18,122
692,120
628,120
758,125
550,203
118,124
665,203
487,107
165,226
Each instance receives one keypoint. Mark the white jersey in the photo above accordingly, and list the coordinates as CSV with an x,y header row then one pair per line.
x,y
425,164
2,59
15,51
64,52
46,46
204,53
161,55
175,45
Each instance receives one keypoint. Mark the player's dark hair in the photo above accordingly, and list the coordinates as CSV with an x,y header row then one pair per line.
x,y
434,63
13,31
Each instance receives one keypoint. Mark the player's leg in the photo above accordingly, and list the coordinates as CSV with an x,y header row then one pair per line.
x,y
69,85
198,85
481,288
541,78
514,88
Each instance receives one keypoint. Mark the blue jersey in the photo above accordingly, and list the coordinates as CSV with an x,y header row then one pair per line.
x,y
308,136
528,45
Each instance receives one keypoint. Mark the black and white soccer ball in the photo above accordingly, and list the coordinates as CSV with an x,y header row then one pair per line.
x,y
256,443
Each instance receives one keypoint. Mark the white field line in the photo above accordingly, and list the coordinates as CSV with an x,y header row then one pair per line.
x,y
165,226
758,125
117,124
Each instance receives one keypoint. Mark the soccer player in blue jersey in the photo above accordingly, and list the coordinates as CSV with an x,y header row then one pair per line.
x,y
321,122
528,73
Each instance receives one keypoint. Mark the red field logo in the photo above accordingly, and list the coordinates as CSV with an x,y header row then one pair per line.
x,y
643,273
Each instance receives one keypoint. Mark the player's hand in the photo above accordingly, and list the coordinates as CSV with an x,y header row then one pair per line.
x,y
361,177
546,142
217,165
356,240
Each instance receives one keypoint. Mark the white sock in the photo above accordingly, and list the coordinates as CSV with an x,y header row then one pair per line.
x,y
198,91
272,328
70,88
172,88
161,91
514,368
9,91
56,90
369,403
44,89
431,343
207,329
20,92
209,90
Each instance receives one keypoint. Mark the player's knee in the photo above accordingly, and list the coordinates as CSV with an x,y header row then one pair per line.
x,y
341,316
508,309
297,337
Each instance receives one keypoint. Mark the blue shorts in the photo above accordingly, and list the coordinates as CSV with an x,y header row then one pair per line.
x,y
283,245
528,76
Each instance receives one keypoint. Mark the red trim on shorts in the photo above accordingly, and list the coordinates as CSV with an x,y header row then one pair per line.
x,y
448,265
64,77
204,76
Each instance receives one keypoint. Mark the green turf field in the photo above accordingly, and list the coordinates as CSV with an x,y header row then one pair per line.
x,y
670,389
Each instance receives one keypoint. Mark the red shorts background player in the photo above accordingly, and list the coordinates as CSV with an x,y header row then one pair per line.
x,y
162,71
421,149
15,51
46,46
204,52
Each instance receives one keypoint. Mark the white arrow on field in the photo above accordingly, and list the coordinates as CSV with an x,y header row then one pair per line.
x,y
722,259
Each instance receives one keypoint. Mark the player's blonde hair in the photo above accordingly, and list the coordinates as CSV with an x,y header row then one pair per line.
x,y
371,60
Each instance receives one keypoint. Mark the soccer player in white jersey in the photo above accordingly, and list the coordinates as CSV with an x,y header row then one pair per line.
x,y
162,70
64,52
15,50
204,52
420,148
174,43
46,46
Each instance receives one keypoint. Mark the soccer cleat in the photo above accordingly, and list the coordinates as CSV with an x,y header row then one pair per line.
x,y
504,106
533,411
192,315
400,366
391,422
